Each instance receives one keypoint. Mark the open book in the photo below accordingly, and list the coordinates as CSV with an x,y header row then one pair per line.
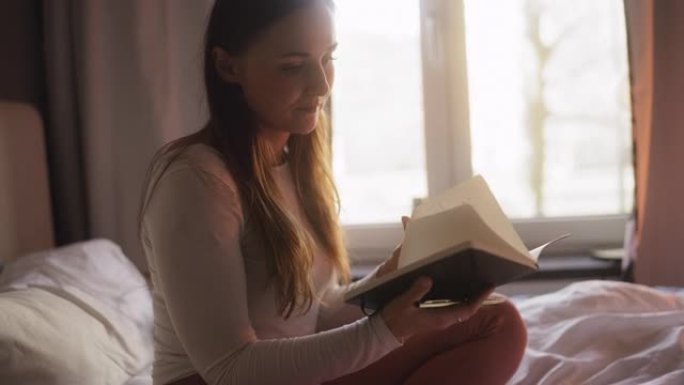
x,y
463,241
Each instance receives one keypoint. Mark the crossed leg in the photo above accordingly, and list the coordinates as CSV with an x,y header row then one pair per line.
x,y
485,349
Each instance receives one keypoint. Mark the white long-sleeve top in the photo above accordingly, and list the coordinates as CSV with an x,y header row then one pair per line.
x,y
215,307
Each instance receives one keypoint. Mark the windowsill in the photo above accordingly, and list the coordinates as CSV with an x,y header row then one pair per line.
x,y
575,266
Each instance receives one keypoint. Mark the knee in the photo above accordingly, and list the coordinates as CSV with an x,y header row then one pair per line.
x,y
510,325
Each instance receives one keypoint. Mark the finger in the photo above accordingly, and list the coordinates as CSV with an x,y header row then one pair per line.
x,y
444,317
404,221
473,305
393,261
465,310
417,291
482,296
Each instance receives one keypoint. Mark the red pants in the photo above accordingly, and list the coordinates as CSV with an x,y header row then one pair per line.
x,y
485,349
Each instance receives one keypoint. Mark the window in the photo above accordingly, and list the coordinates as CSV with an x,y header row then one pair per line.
x,y
532,94
378,107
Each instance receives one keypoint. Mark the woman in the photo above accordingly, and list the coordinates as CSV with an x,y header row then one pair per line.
x,y
239,225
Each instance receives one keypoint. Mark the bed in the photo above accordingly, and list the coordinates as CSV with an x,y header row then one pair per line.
x,y
79,314
82,313
604,332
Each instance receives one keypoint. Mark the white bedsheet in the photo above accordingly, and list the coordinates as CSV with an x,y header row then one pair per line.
x,y
603,332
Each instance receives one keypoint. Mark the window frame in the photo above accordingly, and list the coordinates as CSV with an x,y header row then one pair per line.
x,y
448,151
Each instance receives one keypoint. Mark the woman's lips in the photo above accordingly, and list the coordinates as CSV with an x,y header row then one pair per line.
x,y
309,109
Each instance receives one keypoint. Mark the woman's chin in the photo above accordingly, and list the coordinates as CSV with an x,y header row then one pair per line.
x,y
305,127
304,132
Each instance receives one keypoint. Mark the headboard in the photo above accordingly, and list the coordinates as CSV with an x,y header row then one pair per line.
x,y
25,211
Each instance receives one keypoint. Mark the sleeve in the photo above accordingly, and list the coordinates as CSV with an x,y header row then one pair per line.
x,y
334,312
193,225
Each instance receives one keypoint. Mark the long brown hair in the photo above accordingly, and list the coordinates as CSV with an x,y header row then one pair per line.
x,y
232,130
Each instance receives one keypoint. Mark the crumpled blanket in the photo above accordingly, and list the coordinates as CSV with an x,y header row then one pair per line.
x,y
603,332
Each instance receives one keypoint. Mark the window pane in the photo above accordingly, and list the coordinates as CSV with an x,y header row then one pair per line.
x,y
549,105
378,145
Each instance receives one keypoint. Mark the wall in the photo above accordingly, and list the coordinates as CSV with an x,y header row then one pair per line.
x,y
21,58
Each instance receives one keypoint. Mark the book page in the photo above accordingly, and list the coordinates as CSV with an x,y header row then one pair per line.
x,y
451,229
537,251
476,193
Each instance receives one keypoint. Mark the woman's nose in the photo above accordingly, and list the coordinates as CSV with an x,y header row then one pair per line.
x,y
320,81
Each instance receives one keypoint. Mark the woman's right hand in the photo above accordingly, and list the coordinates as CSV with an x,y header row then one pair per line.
x,y
404,318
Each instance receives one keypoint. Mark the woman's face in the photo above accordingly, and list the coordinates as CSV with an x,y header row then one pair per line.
x,y
287,72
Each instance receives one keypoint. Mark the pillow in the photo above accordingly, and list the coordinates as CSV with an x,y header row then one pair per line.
x,y
46,339
79,314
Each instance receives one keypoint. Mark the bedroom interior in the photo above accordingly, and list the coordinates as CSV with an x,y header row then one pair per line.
x,y
76,132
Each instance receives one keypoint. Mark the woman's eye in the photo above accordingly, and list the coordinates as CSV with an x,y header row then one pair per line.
x,y
292,67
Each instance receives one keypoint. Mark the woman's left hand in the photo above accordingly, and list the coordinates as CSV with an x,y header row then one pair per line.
x,y
393,261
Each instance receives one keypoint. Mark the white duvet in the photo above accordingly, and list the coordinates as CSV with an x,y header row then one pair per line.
x,y
79,314
603,332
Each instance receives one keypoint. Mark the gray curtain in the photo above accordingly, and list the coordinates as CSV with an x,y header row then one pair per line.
x,y
63,129
124,77
656,45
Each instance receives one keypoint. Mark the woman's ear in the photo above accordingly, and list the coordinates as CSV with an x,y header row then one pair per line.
x,y
227,66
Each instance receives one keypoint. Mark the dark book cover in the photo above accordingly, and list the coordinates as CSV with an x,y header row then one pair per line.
x,y
456,277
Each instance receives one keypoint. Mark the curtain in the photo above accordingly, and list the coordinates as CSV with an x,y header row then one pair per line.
x,y
62,134
124,77
656,45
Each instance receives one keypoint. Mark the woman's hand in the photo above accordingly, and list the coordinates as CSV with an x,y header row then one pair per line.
x,y
404,318
393,261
